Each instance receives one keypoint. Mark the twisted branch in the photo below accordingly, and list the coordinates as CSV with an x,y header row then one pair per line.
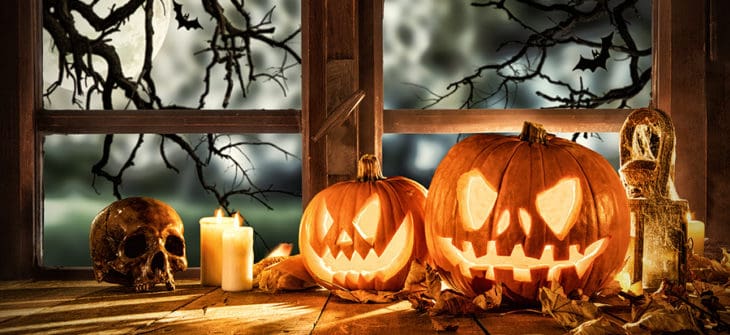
x,y
231,46
528,60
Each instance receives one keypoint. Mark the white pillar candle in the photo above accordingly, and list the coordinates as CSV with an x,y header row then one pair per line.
x,y
696,232
237,259
211,247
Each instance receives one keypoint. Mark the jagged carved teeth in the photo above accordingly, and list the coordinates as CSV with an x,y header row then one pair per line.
x,y
522,266
395,257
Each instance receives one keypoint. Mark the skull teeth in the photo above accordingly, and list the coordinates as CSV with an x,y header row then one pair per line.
x,y
521,266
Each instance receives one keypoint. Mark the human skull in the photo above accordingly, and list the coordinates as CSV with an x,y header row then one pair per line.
x,y
137,242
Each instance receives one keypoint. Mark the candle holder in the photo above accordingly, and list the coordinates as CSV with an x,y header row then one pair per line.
x,y
658,216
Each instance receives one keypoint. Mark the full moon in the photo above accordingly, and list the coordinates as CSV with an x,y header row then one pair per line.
x,y
129,43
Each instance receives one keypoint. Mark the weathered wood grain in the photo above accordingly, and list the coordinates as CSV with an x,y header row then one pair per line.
x,y
170,121
75,307
252,312
21,298
520,323
342,317
501,120
68,308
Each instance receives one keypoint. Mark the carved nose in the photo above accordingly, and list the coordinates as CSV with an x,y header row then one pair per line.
x,y
344,239
159,262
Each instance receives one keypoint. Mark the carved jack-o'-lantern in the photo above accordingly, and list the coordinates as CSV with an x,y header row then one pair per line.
x,y
363,234
524,212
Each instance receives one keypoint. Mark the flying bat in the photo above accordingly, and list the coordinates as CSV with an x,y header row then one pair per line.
x,y
182,19
599,57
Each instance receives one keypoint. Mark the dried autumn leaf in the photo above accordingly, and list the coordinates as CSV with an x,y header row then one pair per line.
x,y
280,253
568,313
261,265
725,260
450,302
708,270
418,286
433,282
490,299
664,319
416,279
600,326
420,301
287,275
364,296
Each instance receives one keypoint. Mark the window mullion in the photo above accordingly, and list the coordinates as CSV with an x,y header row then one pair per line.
x,y
169,121
501,120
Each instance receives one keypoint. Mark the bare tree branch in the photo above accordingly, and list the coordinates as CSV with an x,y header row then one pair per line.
x,y
480,89
231,45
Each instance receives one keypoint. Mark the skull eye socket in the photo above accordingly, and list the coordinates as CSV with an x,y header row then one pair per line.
x,y
135,246
174,245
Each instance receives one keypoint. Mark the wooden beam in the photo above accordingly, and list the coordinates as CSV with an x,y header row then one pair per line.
x,y
20,29
341,55
370,49
339,114
314,91
170,121
718,121
501,120
679,80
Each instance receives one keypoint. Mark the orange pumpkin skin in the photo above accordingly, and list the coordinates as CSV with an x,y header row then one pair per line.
x,y
491,216
363,234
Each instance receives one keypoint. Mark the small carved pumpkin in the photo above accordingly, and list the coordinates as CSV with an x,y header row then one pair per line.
x,y
526,211
363,234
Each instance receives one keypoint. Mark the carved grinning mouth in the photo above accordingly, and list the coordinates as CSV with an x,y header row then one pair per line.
x,y
339,269
522,266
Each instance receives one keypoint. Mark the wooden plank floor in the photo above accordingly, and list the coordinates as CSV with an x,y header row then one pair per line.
x,y
79,307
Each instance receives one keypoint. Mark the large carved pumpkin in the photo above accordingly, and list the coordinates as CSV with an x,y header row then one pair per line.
x,y
363,234
526,211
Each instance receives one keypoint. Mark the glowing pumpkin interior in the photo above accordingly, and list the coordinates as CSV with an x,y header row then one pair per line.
x,y
362,234
349,257
525,211
558,206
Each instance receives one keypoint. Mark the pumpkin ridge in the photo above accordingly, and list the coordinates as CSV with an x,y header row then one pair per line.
x,y
366,215
478,163
394,187
589,274
591,188
521,172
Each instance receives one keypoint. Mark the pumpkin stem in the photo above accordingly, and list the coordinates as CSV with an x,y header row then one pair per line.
x,y
368,168
533,133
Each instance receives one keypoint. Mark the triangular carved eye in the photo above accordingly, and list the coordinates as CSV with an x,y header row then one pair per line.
x,y
559,206
476,199
366,221
325,222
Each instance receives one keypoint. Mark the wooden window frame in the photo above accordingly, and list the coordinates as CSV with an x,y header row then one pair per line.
x,y
341,57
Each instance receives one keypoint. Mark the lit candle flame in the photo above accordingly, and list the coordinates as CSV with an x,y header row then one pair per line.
x,y
238,218
219,215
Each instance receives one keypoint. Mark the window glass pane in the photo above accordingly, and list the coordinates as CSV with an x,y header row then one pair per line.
x,y
97,59
416,156
528,54
73,195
